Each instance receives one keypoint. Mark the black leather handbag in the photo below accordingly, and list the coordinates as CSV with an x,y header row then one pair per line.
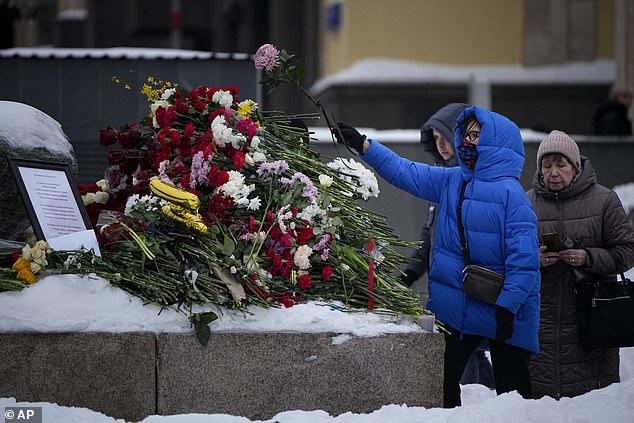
x,y
605,312
482,284
479,282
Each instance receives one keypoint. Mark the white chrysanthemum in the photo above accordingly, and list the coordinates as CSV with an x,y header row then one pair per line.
x,y
224,98
168,93
312,213
254,204
147,203
282,216
253,157
302,257
224,135
255,142
353,172
236,189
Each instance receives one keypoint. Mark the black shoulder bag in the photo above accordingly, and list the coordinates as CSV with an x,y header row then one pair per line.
x,y
605,312
479,282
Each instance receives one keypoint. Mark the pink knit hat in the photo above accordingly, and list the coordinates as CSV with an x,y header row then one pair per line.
x,y
559,142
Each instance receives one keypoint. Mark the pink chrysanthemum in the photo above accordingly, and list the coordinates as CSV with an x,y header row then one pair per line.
x,y
267,57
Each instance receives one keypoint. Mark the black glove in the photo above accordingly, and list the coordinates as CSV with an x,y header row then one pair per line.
x,y
351,136
408,278
504,320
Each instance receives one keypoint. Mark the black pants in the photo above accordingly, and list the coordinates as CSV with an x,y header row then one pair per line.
x,y
510,366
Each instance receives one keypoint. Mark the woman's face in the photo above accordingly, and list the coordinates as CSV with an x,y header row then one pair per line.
x,y
444,147
472,131
558,172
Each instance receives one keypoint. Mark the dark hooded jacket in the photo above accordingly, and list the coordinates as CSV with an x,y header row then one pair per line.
x,y
443,121
589,216
500,227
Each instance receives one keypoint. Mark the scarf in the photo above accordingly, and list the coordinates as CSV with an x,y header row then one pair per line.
x,y
468,154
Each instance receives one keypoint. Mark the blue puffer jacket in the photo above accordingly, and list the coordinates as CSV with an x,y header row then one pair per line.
x,y
501,228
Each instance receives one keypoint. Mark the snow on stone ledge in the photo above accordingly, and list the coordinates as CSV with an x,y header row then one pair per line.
x,y
26,127
61,303
132,53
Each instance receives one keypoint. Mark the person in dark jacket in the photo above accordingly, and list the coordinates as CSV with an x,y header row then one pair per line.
x,y
436,137
611,117
595,240
501,232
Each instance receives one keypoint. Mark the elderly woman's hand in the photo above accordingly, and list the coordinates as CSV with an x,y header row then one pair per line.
x,y
576,258
547,258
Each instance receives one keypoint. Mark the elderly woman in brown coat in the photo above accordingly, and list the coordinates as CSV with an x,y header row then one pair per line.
x,y
593,239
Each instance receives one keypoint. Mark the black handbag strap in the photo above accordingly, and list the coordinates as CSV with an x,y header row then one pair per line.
x,y
463,239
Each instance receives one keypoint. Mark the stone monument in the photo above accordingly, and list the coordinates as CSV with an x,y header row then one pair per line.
x,y
26,133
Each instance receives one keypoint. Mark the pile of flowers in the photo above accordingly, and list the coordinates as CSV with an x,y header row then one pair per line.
x,y
25,264
248,213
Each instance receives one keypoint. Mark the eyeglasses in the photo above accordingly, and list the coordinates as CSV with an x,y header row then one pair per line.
x,y
472,136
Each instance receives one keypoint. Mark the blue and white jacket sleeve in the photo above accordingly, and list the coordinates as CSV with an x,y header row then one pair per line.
x,y
418,179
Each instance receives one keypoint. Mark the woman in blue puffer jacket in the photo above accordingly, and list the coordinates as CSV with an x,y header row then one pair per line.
x,y
501,233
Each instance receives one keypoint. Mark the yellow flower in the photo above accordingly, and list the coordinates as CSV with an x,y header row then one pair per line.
x,y
21,264
245,108
26,276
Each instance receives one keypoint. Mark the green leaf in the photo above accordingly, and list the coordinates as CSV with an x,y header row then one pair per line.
x,y
182,91
203,333
325,201
229,246
201,322
207,317
299,71
286,198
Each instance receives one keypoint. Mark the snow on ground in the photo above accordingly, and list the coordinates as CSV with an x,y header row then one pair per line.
x,y
70,302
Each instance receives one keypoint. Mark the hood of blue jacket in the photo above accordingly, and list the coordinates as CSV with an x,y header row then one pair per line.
x,y
500,148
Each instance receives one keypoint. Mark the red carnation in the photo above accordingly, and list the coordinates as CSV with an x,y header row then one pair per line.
x,y
189,130
304,235
107,136
238,159
252,130
286,240
181,106
234,90
218,112
185,181
216,177
289,300
305,282
326,272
